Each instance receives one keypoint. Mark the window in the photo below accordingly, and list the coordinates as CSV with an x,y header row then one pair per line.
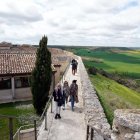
x,y
21,82
5,83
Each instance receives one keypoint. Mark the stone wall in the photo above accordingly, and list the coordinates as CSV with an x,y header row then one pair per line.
x,y
57,74
126,124
27,134
94,113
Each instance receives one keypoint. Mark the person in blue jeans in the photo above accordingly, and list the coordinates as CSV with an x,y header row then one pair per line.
x,y
66,92
73,93
72,102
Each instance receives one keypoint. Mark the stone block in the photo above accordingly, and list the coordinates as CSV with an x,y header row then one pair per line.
x,y
129,136
137,136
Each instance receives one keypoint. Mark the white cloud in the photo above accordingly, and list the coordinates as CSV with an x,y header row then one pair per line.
x,y
18,12
77,22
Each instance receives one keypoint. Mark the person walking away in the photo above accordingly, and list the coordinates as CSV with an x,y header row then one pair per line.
x,y
73,93
76,63
73,63
58,99
72,60
66,93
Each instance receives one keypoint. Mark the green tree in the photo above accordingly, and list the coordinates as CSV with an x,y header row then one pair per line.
x,y
41,76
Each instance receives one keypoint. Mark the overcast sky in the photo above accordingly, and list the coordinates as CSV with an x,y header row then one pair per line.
x,y
71,22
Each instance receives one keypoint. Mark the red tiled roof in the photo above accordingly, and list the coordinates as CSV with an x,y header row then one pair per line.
x,y
16,63
20,60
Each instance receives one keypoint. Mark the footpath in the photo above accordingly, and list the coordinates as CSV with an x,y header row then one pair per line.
x,y
72,124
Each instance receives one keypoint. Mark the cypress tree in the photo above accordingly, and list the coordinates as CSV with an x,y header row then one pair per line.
x,y
41,76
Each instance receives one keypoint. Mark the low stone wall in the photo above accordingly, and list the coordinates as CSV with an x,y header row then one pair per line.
x,y
27,134
94,113
126,124
5,95
23,93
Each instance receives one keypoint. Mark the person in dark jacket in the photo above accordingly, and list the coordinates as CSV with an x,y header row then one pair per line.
x,y
74,66
73,93
66,92
58,99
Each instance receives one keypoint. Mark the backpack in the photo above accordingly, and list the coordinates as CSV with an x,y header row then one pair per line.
x,y
74,65
73,89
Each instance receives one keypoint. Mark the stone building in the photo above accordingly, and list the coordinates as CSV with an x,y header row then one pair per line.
x,y
16,65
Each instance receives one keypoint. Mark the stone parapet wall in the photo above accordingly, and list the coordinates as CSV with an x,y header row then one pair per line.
x,y
94,113
28,134
126,124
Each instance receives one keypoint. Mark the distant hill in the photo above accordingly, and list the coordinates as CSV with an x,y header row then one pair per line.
x,y
112,49
136,48
98,48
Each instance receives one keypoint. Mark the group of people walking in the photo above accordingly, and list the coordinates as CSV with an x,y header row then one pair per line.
x,y
64,94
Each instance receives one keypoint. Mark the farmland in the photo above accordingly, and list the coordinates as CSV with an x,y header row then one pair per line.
x,y
114,96
123,62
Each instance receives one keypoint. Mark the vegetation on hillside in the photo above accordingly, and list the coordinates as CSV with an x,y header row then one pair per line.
x,y
125,63
130,83
114,96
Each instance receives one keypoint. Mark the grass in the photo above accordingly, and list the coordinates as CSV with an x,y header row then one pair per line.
x,y
121,62
22,110
114,96
17,108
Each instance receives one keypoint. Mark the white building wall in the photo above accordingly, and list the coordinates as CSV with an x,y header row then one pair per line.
x,y
23,93
5,94
18,94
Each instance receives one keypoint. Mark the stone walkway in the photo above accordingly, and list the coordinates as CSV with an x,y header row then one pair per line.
x,y
72,124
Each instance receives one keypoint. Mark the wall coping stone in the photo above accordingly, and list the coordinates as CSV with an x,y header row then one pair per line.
x,y
129,118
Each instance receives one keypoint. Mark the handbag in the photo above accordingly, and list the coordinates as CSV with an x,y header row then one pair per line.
x,y
76,98
60,102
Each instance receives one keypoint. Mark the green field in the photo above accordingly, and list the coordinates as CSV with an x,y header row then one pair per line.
x,y
114,96
122,62
22,110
